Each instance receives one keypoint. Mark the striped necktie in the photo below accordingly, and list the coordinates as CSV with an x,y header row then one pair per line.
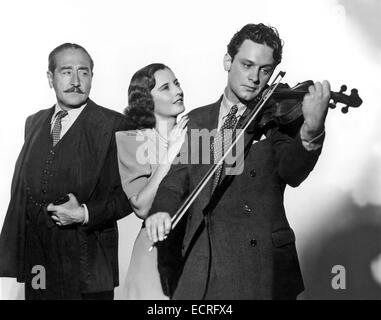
x,y
219,141
56,132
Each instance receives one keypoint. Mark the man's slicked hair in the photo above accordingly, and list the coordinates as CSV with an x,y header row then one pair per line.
x,y
258,33
52,56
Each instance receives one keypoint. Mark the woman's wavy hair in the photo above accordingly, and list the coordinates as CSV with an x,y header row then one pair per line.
x,y
140,110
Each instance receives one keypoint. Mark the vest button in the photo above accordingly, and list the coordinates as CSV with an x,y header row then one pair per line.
x,y
253,173
253,242
247,209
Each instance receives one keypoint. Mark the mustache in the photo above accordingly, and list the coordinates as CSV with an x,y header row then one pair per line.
x,y
74,89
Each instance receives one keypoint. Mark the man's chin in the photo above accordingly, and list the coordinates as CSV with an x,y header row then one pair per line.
x,y
73,104
245,98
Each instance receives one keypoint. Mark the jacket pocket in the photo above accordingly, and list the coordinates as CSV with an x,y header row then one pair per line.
x,y
282,238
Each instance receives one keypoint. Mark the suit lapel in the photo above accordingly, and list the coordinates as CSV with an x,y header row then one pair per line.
x,y
34,128
95,135
208,121
38,125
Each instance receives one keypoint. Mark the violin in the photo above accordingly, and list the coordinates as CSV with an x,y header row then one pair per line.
x,y
284,109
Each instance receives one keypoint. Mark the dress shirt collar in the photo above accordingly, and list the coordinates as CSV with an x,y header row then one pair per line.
x,y
72,114
226,105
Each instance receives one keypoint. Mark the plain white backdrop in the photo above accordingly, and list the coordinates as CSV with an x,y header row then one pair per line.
x,y
336,40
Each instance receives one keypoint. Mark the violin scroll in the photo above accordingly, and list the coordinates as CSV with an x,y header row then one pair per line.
x,y
351,101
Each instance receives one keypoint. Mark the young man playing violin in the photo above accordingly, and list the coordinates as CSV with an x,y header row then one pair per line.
x,y
238,243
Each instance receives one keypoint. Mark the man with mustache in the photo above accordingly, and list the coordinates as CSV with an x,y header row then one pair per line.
x,y
238,243
60,234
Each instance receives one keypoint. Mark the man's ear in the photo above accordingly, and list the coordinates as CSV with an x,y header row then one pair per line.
x,y
50,78
227,62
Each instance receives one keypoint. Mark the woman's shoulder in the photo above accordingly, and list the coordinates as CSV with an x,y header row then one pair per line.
x,y
130,140
131,152
128,133
133,135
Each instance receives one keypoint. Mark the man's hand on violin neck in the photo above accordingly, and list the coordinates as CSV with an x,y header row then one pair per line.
x,y
315,108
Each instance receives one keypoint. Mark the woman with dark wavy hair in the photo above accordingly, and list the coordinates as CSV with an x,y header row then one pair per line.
x,y
145,154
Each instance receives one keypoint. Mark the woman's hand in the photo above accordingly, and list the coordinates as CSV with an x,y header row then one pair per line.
x,y
158,226
176,138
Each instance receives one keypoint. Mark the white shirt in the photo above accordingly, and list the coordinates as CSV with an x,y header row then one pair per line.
x,y
67,121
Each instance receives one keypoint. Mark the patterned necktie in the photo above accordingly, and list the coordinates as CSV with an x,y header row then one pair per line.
x,y
218,145
56,132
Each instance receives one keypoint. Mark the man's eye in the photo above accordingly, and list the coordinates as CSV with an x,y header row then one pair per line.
x,y
246,66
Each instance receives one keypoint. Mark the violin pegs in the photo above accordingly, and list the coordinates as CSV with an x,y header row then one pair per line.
x,y
343,88
345,110
332,105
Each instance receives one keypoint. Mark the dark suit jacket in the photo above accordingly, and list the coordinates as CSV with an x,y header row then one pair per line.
x,y
238,243
101,191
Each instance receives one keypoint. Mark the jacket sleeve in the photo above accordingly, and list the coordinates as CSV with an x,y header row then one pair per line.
x,y
134,175
173,190
12,237
294,162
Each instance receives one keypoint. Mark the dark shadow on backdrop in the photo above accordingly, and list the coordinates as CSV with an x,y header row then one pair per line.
x,y
354,245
